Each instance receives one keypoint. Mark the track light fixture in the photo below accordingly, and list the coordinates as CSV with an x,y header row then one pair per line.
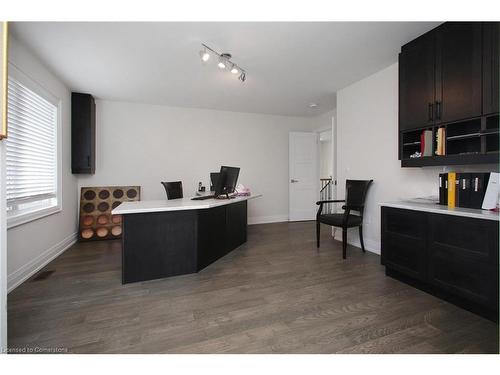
x,y
224,61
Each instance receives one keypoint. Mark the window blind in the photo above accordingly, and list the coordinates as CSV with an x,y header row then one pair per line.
x,y
31,152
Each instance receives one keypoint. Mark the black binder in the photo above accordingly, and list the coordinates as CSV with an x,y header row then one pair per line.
x,y
463,188
443,189
479,182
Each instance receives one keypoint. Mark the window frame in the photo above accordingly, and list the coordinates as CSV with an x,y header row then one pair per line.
x,y
21,217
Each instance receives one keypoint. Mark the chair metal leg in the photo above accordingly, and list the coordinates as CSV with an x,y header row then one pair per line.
x,y
361,238
344,242
317,233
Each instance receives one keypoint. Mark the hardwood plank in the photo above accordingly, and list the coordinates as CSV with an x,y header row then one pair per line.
x,y
274,294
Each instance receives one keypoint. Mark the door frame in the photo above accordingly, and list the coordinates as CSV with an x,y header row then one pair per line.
x,y
333,156
316,180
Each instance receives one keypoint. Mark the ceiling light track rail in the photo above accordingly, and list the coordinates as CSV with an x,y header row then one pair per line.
x,y
224,61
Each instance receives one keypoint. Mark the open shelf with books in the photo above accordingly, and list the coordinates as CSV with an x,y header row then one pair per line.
x,y
472,141
490,135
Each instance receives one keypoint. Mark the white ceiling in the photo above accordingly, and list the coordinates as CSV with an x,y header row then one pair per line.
x,y
289,65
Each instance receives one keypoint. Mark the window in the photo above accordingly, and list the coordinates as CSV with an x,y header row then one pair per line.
x,y
32,186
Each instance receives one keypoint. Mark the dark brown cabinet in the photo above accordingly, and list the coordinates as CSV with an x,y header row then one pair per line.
x,y
403,241
82,133
171,243
448,78
491,66
458,71
417,82
453,257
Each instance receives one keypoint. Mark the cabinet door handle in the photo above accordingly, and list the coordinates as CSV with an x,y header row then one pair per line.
x,y
88,161
438,110
431,112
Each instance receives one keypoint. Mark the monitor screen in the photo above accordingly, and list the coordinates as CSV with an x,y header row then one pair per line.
x,y
228,178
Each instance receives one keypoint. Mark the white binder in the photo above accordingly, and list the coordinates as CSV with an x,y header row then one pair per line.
x,y
491,197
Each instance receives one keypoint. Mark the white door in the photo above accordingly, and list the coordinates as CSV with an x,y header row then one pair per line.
x,y
303,175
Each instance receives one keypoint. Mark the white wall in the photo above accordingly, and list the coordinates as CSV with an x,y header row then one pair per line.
x,y
324,120
325,158
32,245
367,141
142,144
327,162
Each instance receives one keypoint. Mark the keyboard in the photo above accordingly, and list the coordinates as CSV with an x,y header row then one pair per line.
x,y
203,197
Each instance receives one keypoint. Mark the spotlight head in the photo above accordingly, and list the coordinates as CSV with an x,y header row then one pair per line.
x,y
234,69
242,77
204,55
222,63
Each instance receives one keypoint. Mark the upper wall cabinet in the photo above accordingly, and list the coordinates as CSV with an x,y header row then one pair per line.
x,y
458,71
491,66
448,85
82,133
417,82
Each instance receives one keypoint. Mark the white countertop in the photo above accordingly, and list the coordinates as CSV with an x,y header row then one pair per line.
x,y
428,206
175,205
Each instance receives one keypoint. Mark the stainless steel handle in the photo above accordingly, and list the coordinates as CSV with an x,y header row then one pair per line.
x,y
293,181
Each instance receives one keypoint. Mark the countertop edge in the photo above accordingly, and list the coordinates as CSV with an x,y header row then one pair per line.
x,y
197,205
480,214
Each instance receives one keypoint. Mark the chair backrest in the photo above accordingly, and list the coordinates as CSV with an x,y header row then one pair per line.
x,y
355,191
173,189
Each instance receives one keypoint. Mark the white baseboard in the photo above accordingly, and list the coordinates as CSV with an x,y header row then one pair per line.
x,y
23,273
370,245
267,219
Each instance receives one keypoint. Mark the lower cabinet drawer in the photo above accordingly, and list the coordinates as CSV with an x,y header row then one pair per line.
x,y
403,241
463,257
406,255
469,279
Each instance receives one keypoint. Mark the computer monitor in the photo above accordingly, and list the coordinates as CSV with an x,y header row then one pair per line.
x,y
214,177
226,183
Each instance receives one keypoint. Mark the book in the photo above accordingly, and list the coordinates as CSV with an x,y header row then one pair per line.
x,y
490,201
452,179
443,139
428,143
440,141
479,182
462,191
443,189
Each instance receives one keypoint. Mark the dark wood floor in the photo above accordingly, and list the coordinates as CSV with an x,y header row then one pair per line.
x,y
275,294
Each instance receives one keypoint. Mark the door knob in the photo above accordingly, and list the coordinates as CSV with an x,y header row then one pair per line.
x,y
293,181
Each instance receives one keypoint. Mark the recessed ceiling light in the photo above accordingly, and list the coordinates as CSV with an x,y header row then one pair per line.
x,y
313,105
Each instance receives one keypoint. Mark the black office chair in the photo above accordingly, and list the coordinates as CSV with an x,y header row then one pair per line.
x,y
173,189
355,201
